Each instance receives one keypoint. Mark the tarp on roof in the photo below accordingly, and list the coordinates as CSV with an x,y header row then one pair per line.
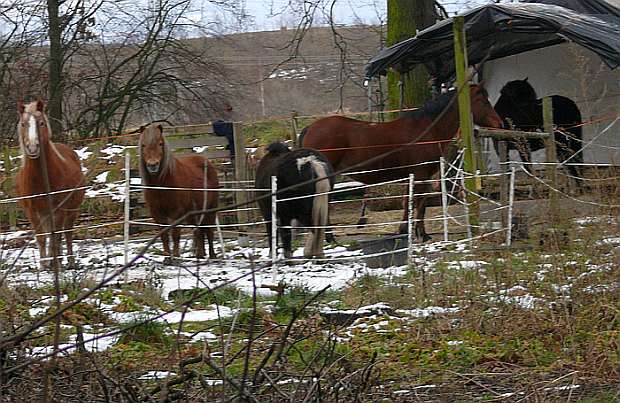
x,y
499,30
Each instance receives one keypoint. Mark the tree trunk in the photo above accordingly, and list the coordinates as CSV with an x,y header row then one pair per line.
x,y
405,17
54,104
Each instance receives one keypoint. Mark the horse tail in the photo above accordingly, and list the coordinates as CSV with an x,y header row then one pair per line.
x,y
320,209
302,134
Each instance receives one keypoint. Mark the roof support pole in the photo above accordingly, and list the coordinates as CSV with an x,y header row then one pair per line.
x,y
466,121
551,167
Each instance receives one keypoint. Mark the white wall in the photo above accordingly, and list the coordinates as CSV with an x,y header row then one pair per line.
x,y
576,73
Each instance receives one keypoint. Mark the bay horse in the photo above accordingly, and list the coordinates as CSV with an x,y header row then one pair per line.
x,y
58,165
411,139
292,168
519,106
159,167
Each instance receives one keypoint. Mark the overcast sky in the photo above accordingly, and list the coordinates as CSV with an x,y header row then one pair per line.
x,y
269,14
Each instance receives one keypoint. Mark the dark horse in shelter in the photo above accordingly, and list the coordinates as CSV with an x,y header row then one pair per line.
x,y
520,108
160,168
313,173
58,165
408,141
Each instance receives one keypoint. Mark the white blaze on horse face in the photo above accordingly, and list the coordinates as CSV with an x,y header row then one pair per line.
x,y
32,131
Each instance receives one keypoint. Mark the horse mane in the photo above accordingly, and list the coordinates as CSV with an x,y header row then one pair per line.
x,y
32,108
277,147
433,107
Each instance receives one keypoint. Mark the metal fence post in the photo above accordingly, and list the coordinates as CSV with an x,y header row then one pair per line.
x,y
511,198
127,207
444,197
466,207
274,225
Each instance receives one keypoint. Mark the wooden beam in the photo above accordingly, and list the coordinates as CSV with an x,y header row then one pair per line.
x,y
240,172
467,126
201,141
511,134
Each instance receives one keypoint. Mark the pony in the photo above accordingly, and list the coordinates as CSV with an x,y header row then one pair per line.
x,y
47,167
519,106
293,168
407,142
159,167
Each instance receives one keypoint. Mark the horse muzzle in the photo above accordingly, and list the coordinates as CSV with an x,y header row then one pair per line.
x,y
32,152
152,168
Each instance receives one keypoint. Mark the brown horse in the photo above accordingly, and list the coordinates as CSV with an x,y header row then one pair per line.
x,y
43,163
160,168
349,143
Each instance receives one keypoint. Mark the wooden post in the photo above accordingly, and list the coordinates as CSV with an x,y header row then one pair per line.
x,y
8,184
369,99
295,128
467,127
401,94
240,175
551,155
503,179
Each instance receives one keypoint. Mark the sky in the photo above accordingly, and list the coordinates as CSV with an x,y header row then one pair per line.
x,y
269,14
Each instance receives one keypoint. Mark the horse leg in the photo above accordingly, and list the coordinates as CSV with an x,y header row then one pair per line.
x,y
176,238
285,235
199,243
526,156
420,210
403,228
41,241
165,241
70,258
363,219
68,227
210,232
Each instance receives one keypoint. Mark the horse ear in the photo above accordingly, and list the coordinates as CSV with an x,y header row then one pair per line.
x,y
20,107
161,129
40,105
525,79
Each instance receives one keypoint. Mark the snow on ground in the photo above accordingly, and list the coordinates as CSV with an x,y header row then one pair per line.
x,y
98,259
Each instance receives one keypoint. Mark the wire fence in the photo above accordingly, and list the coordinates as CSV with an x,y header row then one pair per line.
x,y
451,191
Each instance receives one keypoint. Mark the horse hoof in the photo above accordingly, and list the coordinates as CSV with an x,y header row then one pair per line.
x,y
170,261
362,222
73,266
426,238
330,238
403,229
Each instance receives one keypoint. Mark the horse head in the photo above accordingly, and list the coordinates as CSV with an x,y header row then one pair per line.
x,y
481,108
33,128
519,92
153,148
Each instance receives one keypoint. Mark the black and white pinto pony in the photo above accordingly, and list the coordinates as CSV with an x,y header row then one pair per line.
x,y
520,108
296,168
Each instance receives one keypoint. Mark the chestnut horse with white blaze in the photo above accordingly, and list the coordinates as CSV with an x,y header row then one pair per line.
x,y
47,166
352,145
160,168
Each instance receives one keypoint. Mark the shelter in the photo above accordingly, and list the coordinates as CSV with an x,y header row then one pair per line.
x,y
564,47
